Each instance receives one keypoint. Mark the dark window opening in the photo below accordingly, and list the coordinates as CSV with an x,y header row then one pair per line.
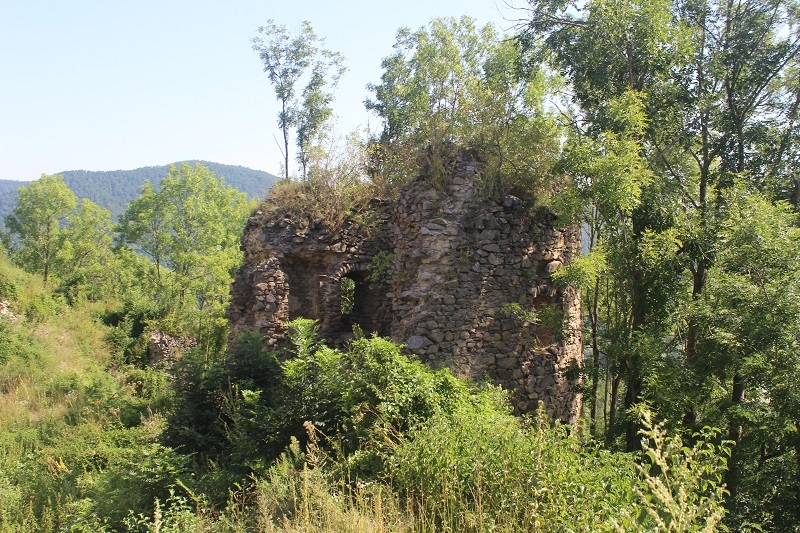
x,y
361,304
303,280
348,295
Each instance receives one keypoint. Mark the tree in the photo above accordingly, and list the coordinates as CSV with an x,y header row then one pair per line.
x,y
315,110
750,316
607,176
144,223
204,222
717,80
191,229
85,263
452,85
42,208
87,238
286,59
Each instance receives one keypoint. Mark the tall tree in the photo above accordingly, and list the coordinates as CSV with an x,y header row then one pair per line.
x,y
192,227
85,263
87,238
617,57
453,84
286,60
205,220
718,82
750,316
315,110
42,208
144,224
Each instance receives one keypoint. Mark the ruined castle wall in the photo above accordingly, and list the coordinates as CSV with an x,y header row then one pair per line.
x,y
291,272
469,274
464,277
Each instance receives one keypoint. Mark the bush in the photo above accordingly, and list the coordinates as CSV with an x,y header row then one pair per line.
x,y
135,480
43,306
482,466
244,412
481,469
8,290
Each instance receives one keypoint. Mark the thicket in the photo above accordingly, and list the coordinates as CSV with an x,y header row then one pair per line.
x,y
306,439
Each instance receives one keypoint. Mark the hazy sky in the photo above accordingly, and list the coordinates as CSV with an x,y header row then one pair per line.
x,y
107,85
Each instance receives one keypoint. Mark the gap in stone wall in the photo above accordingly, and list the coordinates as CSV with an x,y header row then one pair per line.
x,y
368,305
545,305
303,281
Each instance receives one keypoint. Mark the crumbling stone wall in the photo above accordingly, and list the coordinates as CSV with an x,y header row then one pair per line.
x,y
292,272
5,311
452,274
166,350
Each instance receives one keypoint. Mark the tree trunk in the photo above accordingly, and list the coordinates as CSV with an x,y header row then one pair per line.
x,y
612,417
734,434
285,127
633,379
633,441
595,360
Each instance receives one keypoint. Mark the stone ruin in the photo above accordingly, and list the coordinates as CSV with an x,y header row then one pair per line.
x,y
450,273
6,312
165,350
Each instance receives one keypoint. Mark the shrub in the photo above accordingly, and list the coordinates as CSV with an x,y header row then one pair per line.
x,y
43,306
243,413
8,290
482,466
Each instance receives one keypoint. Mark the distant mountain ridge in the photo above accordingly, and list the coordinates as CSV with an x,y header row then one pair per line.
x,y
113,189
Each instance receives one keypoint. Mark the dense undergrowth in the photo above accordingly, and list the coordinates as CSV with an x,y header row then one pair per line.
x,y
309,439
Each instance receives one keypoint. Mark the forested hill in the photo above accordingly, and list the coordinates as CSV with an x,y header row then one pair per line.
x,y
114,189
8,196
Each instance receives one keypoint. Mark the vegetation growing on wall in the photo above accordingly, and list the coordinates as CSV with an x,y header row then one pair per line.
x,y
450,86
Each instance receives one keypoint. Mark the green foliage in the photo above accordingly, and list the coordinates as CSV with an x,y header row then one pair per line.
x,y
379,266
12,346
70,426
336,192
191,230
451,86
584,271
37,220
515,310
286,60
675,134
315,112
348,295
481,466
8,290
751,312
250,408
177,516
114,189
135,479
680,133
58,237
43,306
683,487
85,263
389,443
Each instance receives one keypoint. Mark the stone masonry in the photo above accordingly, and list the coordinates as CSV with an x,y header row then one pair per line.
x,y
462,280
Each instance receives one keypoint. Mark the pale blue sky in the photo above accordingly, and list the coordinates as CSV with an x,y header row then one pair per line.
x,y
107,85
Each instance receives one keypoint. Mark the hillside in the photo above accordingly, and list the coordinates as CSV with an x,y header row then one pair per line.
x,y
115,188
8,196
